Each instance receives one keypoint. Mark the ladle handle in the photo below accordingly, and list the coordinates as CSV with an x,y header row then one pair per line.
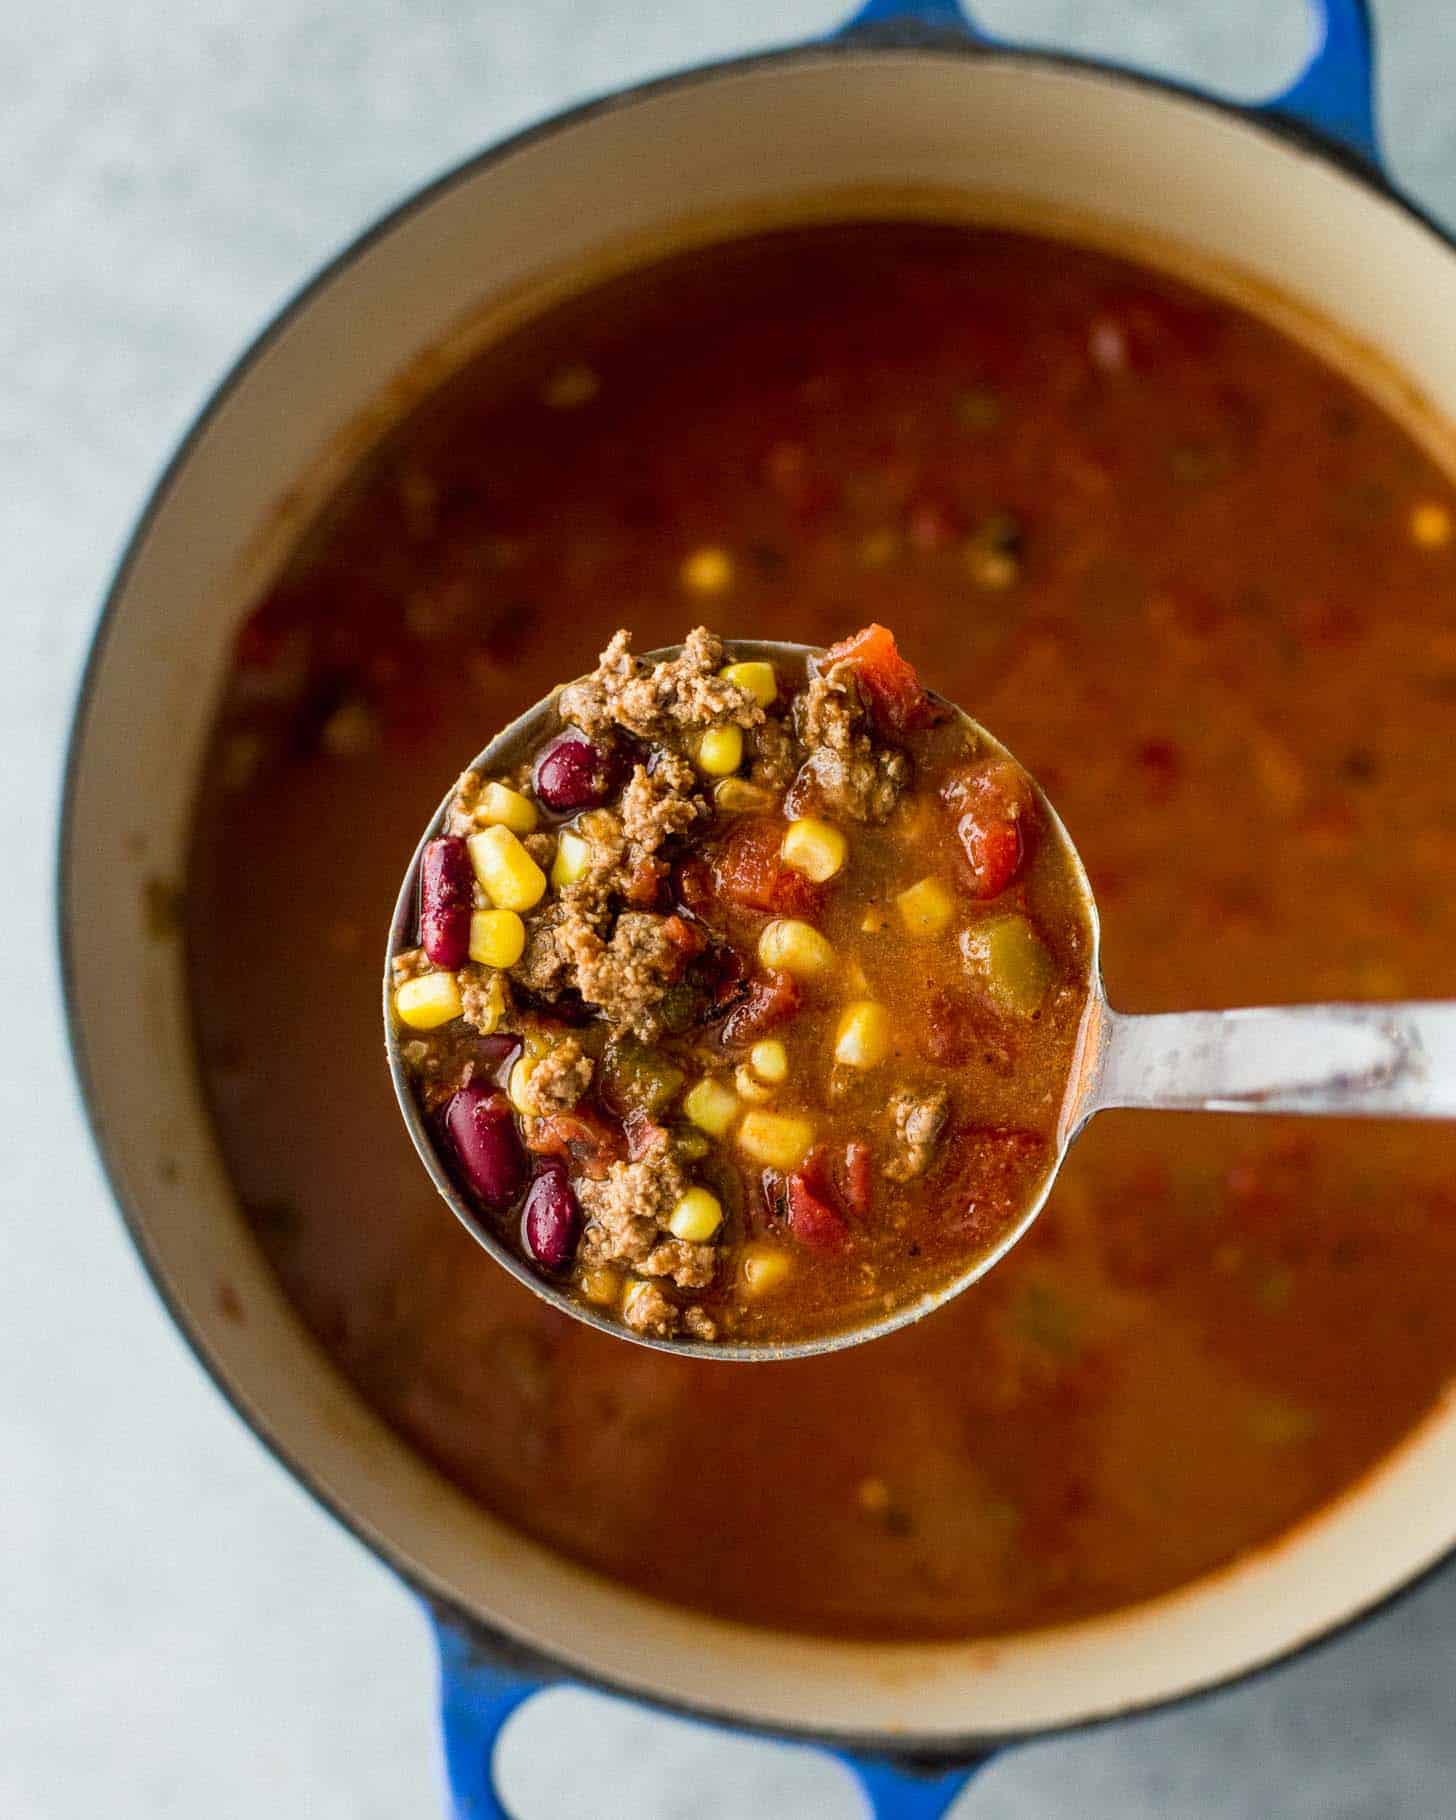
x,y
1368,1061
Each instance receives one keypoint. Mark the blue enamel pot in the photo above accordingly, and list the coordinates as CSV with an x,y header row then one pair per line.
x,y
910,110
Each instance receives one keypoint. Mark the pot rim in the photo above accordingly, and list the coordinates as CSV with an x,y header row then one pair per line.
x,y
855,40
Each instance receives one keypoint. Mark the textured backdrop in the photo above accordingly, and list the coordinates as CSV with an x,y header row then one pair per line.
x,y
182,1633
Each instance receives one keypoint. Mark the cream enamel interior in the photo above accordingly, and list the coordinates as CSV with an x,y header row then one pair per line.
x,y
1009,138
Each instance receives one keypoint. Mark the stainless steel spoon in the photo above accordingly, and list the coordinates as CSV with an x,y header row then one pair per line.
x,y
1340,1060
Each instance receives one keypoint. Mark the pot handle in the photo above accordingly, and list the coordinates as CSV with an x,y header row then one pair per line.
x,y
1334,94
479,1692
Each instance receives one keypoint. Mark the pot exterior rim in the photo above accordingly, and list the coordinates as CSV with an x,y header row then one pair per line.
x,y
516,1656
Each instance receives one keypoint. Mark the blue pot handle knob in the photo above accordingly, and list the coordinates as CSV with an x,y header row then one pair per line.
x,y
477,1697
1334,94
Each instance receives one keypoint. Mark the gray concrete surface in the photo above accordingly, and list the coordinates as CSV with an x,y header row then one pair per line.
x,y
182,1633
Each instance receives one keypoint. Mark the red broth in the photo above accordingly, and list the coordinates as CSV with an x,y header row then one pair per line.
x,y
1203,589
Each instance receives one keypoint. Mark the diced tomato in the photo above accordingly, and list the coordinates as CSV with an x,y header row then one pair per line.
x,y
772,999
857,1178
692,885
958,1027
580,1137
644,883
986,1174
891,688
991,802
813,1222
642,1133
692,938
749,872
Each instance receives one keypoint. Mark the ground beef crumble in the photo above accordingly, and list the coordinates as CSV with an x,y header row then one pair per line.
x,y
918,1119
626,975
844,772
685,693
558,1080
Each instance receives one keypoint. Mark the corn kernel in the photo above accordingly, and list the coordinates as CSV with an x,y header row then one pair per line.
x,y
778,1140
863,1039
757,678
750,1087
573,856
736,796
518,1084
428,1000
499,804
706,571
486,1017
1430,524
497,938
508,875
790,946
720,751
770,1060
601,1286
710,1106
926,909
814,848
697,1216
764,1270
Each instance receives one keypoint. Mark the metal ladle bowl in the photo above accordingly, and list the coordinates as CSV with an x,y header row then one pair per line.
x,y
1338,1060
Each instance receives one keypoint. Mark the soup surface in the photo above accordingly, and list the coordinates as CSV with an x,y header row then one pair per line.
x,y
744,1005
1203,590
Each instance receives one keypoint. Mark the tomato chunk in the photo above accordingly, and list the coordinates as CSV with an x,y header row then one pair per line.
x,y
771,999
749,872
813,1222
991,803
857,1178
891,688
583,1139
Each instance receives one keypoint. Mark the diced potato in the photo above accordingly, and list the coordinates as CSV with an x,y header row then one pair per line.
x,y
508,875
763,1269
770,1060
926,909
710,1106
498,803
757,678
573,856
428,1000
750,1087
720,751
497,938
789,946
1012,962
778,1140
601,1286
736,796
863,1038
697,1216
707,571
814,848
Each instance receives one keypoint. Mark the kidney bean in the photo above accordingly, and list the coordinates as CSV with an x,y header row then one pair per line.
x,y
551,1217
573,773
482,1131
447,896
770,1000
497,1054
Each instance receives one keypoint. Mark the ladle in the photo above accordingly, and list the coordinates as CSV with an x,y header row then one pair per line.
x,y
1335,1060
